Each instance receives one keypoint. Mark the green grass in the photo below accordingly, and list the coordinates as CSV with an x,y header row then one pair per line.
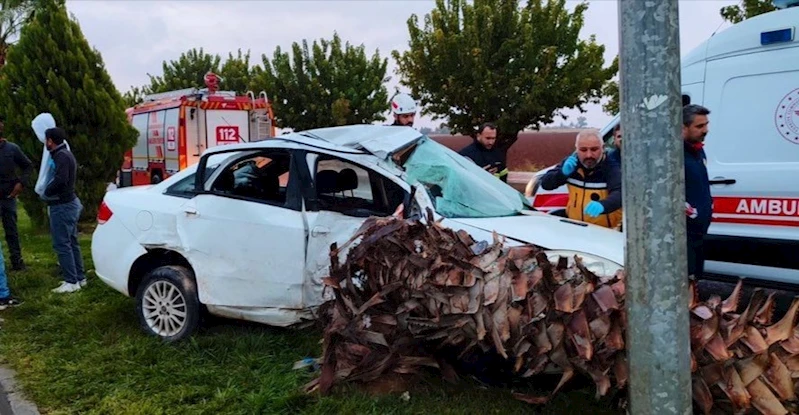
x,y
84,353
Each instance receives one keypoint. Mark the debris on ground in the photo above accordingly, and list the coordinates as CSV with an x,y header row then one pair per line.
x,y
410,289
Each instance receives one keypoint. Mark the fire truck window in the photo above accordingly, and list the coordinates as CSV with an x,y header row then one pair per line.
x,y
262,178
350,189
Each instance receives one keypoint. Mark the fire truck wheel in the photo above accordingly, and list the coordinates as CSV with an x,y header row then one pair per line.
x,y
155,179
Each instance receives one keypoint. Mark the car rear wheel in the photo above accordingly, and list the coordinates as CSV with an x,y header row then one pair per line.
x,y
167,303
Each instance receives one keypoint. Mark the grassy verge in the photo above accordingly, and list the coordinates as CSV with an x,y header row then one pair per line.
x,y
84,353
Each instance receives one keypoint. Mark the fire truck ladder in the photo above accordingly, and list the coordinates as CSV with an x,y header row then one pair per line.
x,y
263,124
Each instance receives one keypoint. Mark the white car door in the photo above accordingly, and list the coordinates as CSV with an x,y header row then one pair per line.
x,y
346,193
246,234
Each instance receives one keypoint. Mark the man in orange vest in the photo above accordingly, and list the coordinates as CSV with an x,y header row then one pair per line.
x,y
594,182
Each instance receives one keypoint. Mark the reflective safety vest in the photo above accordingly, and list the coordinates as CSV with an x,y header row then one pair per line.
x,y
601,184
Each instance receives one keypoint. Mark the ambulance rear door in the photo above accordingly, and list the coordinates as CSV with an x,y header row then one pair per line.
x,y
753,162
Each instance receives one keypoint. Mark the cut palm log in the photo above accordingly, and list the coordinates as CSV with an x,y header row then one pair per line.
x,y
409,289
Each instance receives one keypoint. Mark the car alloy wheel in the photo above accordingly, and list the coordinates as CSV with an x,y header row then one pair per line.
x,y
167,303
164,308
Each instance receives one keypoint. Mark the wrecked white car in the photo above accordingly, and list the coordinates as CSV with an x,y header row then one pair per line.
x,y
246,232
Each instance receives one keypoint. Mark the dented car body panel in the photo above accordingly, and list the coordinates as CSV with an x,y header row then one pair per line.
x,y
256,221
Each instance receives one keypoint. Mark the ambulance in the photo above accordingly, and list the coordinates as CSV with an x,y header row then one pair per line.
x,y
748,77
176,127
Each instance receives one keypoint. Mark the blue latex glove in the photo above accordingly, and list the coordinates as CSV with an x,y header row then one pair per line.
x,y
569,165
594,209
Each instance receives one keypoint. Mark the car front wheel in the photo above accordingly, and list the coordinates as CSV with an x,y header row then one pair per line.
x,y
167,303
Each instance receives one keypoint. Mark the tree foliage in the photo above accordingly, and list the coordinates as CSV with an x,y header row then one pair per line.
x,y
237,73
746,10
53,69
611,91
492,60
188,71
13,15
325,84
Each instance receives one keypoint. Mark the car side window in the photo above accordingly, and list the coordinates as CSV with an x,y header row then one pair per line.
x,y
347,188
185,186
262,177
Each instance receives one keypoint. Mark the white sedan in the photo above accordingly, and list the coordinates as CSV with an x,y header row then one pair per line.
x,y
246,232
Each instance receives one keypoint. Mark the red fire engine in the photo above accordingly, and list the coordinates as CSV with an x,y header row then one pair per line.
x,y
176,127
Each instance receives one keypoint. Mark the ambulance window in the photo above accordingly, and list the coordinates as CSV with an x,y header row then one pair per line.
x,y
765,131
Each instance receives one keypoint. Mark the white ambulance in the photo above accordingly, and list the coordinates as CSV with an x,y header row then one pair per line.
x,y
748,77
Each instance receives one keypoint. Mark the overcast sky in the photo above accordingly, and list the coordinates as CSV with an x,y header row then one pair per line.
x,y
134,37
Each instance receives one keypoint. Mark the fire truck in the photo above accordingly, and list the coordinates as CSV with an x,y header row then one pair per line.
x,y
176,127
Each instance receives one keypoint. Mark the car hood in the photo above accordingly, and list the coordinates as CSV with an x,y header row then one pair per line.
x,y
553,232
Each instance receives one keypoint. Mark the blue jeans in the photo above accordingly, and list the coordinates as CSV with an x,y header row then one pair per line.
x,y
4,292
64,232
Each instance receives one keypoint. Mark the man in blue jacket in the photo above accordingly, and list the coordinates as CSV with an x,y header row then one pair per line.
x,y
698,202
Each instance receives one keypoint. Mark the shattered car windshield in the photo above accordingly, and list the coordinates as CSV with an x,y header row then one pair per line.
x,y
458,187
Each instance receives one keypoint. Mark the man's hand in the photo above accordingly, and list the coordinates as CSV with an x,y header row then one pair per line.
x,y
490,169
569,165
594,209
16,191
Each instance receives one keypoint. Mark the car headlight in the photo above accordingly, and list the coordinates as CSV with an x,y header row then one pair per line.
x,y
602,267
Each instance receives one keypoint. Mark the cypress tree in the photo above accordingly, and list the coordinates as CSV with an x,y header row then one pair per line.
x,y
54,69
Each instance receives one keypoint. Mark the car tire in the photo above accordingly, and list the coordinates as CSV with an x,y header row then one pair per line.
x,y
167,303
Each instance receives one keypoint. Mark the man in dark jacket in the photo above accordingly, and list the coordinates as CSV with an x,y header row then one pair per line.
x,y
485,154
594,183
698,201
64,208
11,185
615,154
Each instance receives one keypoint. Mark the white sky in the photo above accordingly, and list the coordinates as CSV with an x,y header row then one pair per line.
x,y
134,37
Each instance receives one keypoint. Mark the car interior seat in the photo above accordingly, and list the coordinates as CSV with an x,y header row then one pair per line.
x,y
347,181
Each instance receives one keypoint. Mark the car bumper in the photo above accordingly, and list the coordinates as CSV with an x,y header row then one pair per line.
x,y
114,250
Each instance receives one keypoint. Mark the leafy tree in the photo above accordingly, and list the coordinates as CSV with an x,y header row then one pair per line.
x,y
746,10
53,69
324,85
611,90
187,71
13,15
237,73
492,60
134,96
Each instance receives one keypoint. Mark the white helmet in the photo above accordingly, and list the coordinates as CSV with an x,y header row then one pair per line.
x,y
403,104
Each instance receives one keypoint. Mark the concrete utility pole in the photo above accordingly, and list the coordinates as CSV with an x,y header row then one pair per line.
x,y
658,344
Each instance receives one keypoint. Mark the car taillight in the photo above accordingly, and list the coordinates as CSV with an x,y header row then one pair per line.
x,y
103,214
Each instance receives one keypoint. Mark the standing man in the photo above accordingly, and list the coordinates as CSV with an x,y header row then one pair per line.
x,y
615,155
404,109
484,153
594,183
11,185
698,201
64,208
6,300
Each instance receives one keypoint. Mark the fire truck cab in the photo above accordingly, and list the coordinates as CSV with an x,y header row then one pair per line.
x,y
176,127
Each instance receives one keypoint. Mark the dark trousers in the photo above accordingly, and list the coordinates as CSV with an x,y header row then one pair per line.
x,y
696,255
8,212
64,232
